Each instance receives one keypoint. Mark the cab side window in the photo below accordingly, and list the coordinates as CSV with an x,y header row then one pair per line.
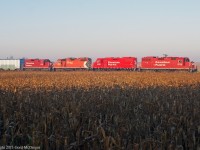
x,y
180,61
187,60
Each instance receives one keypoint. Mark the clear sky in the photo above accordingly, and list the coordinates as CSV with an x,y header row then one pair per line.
x,y
99,28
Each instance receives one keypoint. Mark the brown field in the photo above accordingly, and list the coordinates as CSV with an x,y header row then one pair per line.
x,y
100,110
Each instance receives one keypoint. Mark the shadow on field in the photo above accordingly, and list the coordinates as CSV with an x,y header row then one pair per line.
x,y
102,118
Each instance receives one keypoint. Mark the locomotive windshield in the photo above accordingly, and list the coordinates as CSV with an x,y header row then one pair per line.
x,y
46,60
187,60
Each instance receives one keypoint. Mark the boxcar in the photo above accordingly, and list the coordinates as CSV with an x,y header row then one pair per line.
x,y
11,64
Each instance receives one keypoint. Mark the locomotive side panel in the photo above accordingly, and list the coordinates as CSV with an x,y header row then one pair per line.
x,y
37,64
167,63
115,63
73,63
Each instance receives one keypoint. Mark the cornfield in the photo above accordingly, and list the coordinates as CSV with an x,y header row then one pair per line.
x,y
100,110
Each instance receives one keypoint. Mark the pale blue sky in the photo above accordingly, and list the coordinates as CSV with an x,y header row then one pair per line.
x,y
99,28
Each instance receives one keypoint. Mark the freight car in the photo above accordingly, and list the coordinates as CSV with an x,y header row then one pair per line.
x,y
167,63
11,64
115,63
83,63
37,64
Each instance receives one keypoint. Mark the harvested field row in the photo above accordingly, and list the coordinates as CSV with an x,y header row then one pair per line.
x,y
100,110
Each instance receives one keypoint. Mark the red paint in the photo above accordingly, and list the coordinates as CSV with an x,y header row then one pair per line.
x,y
115,63
171,63
37,64
73,63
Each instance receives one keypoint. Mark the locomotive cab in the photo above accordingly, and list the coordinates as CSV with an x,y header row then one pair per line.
x,y
190,64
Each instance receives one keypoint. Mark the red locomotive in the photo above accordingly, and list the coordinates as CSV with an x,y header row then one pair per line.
x,y
83,63
167,63
115,63
107,63
37,64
